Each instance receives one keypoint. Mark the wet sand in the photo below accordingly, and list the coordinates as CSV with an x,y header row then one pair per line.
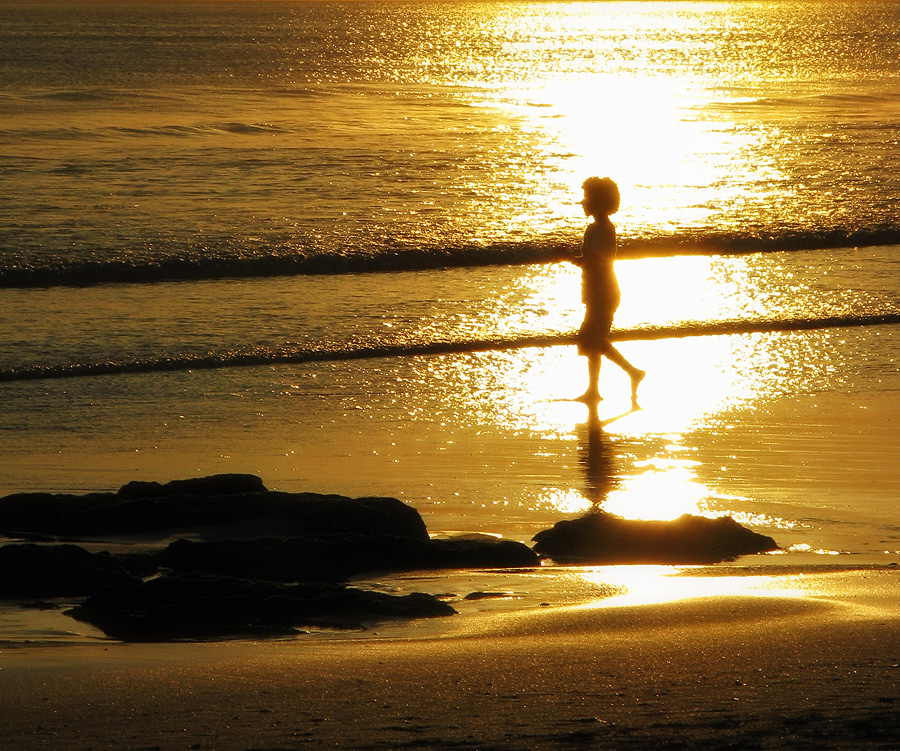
x,y
813,668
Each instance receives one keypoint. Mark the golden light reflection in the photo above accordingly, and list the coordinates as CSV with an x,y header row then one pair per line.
x,y
646,133
689,382
639,464
806,548
659,493
689,379
692,384
678,158
542,300
631,127
654,585
672,291
569,501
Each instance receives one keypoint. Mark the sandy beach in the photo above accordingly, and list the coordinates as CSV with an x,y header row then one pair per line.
x,y
815,667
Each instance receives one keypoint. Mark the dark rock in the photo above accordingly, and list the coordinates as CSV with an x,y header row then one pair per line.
x,y
36,571
479,552
197,606
268,559
225,484
337,558
334,514
601,538
39,605
234,506
487,596
139,564
39,514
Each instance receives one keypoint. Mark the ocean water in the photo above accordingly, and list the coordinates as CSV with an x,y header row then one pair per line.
x,y
324,242
146,140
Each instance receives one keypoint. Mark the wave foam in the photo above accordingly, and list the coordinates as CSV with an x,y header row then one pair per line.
x,y
273,259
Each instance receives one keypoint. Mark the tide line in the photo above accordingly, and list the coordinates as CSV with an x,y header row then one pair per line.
x,y
297,355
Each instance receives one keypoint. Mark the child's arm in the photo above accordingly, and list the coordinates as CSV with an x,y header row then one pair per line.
x,y
577,255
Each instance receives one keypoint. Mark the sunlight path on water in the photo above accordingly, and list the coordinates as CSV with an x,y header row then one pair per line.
x,y
654,585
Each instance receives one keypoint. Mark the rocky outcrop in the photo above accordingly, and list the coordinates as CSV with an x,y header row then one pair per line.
x,y
198,606
266,563
335,558
601,538
41,571
234,506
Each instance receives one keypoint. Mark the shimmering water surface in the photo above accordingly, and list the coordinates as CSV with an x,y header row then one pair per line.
x,y
201,138
771,427
256,180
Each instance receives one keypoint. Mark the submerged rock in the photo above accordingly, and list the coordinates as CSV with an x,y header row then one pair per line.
x,y
201,606
38,571
602,538
488,596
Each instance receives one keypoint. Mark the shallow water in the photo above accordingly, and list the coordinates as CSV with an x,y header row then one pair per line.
x,y
787,431
162,324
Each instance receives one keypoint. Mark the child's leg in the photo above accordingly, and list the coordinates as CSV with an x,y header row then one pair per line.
x,y
636,374
592,394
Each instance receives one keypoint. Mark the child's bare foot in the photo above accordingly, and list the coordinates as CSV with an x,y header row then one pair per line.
x,y
589,397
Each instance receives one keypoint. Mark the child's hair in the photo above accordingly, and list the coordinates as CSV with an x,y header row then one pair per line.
x,y
603,194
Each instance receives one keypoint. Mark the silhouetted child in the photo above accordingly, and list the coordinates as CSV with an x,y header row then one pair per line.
x,y
599,286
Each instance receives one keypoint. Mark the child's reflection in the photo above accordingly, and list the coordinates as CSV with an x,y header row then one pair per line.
x,y
597,457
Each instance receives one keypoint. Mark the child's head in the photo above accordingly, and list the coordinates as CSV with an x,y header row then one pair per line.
x,y
601,196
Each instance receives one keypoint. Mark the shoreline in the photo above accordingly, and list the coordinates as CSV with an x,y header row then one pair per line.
x,y
270,565
814,671
483,596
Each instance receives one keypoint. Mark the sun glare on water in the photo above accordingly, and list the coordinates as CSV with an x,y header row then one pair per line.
x,y
678,161
692,384
655,585
681,163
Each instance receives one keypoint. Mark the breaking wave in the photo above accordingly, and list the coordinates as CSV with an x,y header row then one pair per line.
x,y
263,258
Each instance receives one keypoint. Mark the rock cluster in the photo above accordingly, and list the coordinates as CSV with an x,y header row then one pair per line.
x,y
243,560
263,563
